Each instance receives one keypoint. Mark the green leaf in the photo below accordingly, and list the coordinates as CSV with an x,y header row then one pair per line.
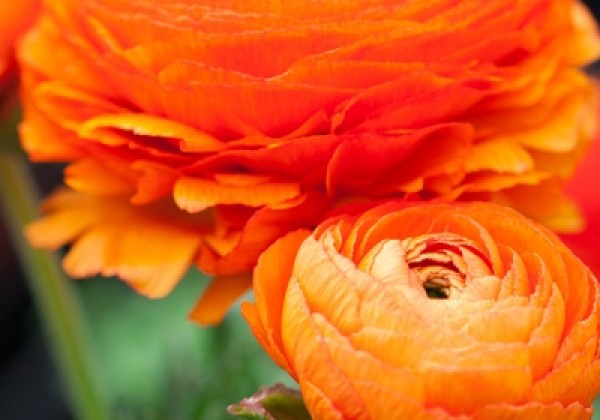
x,y
275,403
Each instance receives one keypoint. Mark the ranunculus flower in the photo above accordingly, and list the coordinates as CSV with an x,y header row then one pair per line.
x,y
15,18
431,311
262,116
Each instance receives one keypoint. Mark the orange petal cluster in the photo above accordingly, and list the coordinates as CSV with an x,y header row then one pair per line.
x,y
15,17
264,115
431,311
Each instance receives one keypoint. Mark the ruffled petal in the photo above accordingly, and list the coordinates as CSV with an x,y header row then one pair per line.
x,y
110,237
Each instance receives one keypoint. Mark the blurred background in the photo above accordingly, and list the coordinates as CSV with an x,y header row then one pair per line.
x,y
150,361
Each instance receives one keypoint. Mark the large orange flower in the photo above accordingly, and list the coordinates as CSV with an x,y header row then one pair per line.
x,y
265,114
431,311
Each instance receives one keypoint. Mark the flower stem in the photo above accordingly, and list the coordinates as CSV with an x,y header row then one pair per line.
x,y
54,296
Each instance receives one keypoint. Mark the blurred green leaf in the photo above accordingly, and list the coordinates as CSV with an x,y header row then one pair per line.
x,y
156,364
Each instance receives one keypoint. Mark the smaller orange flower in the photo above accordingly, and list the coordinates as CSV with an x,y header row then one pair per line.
x,y
431,311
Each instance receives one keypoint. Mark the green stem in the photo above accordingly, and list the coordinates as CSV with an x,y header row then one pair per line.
x,y
53,293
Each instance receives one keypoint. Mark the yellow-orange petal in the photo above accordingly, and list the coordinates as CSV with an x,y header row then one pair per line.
x,y
151,126
550,206
90,177
110,237
196,194
218,297
500,156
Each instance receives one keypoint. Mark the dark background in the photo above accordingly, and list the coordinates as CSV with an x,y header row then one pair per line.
x,y
29,385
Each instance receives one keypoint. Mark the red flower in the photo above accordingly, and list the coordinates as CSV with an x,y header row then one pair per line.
x,y
582,188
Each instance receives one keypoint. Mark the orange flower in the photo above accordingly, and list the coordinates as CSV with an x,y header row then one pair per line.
x,y
265,115
15,18
431,311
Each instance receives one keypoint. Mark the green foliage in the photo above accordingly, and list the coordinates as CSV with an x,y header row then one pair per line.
x,y
155,364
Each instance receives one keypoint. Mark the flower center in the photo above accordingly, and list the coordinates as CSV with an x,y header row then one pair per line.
x,y
442,262
437,288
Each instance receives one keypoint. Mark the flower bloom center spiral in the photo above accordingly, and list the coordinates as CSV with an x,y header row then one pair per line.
x,y
444,263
